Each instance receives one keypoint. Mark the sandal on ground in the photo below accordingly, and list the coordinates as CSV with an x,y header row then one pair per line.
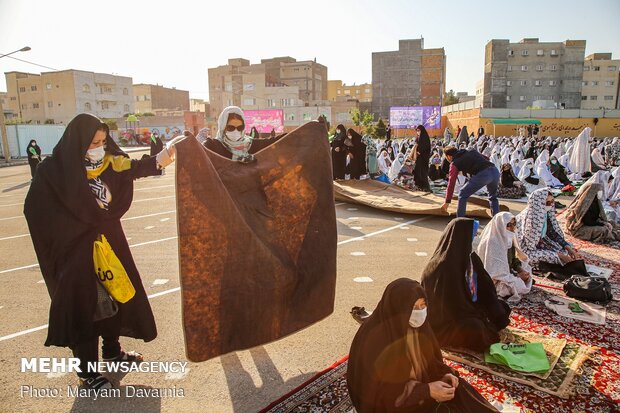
x,y
97,382
128,356
359,314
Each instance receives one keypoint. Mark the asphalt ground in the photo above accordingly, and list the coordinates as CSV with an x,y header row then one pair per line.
x,y
375,247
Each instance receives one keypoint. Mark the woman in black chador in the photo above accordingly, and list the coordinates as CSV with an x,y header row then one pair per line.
x,y
358,151
423,149
395,364
463,308
34,156
79,192
339,153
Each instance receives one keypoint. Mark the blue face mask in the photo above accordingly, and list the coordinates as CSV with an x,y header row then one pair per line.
x,y
476,226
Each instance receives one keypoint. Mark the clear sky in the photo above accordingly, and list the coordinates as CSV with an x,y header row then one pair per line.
x,y
172,43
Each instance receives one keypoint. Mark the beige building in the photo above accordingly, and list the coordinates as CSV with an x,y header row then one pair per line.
x,y
276,83
154,98
57,97
599,88
335,89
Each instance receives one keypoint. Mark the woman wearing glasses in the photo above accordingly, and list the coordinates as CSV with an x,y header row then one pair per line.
x,y
503,259
231,141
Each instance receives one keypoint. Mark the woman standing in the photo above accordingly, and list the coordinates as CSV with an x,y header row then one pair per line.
x,y
339,153
423,149
371,156
395,364
34,156
81,192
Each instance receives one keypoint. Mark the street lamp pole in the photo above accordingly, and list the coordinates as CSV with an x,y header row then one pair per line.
x,y
5,138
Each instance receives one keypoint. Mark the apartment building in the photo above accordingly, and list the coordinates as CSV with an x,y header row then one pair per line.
x,y
154,98
336,89
601,79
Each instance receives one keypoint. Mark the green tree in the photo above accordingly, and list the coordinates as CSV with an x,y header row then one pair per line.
x,y
450,98
111,123
365,120
380,130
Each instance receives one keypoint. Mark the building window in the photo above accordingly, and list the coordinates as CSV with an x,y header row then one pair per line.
x,y
228,87
33,88
511,53
13,98
35,106
524,68
366,90
507,98
596,68
593,97
338,91
87,106
523,83
609,83
509,68
586,68
291,116
249,86
584,83
553,68
249,102
50,104
85,88
552,83
288,102
229,103
584,98
595,83
554,52
524,53
539,68
347,92
24,106
611,68
357,91
540,52
126,108
22,88
104,105
307,116
522,98
125,91
271,103
538,83
609,98
509,83
48,86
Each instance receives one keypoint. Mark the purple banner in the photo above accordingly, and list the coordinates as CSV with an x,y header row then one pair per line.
x,y
264,120
408,117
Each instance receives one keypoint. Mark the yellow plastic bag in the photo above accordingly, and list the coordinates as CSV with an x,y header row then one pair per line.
x,y
111,272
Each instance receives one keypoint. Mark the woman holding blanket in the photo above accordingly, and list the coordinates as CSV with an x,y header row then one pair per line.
x,y
79,193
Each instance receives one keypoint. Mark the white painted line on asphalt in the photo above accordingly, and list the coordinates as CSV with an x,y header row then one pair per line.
x,y
128,238
149,227
15,217
173,290
164,219
179,375
149,215
412,239
19,268
399,219
362,279
372,234
43,327
160,281
154,199
358,253
421,254
351,209
153,187
353,218
41,282
357,228
15,236
131,246
404,227
340,203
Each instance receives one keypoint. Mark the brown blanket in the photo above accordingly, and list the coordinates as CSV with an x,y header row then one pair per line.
x,y
257,242
380,195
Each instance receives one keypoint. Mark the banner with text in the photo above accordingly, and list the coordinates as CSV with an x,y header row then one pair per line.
x,y
264,120
408,117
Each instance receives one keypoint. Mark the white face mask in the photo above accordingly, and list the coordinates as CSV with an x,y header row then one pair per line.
x,y
549,207
234,135
417,317
95,155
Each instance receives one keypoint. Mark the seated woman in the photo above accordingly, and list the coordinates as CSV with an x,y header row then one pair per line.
x,y
544,171
539,234
435,172
530,180
463,308
509,185
231,141
503,260
586,219
395,364
558,171
385,163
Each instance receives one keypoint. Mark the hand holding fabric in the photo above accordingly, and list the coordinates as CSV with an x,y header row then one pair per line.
x,y
451,379
441,392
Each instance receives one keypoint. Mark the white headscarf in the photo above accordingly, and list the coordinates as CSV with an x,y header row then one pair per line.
x,y
599,177
495,242
579,160
598,158
526,168
614,188
240,147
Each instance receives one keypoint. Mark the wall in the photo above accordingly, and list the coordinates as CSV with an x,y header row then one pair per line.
x,y
47,136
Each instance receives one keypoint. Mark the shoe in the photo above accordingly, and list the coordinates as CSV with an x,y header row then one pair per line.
x,y
97,382
559,205
359,314
128,356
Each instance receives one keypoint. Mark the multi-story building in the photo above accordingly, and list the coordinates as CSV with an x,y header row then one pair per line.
x,y
57,97
601,79
410,76
336,89
272,84
479,93
153,98
464,97
518,74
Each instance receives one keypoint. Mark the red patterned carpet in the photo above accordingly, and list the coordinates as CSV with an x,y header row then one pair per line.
x,y
596,387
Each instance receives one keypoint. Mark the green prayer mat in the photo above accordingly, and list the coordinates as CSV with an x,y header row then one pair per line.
x,y
524,357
